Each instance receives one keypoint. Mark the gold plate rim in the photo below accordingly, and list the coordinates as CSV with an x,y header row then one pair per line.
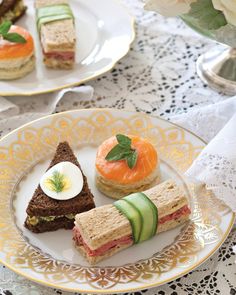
x,y
109,291
100,109
101,72
112,291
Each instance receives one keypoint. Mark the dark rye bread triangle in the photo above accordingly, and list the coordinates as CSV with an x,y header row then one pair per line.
x,y
7,5
16,17
42,205
53,225
14,8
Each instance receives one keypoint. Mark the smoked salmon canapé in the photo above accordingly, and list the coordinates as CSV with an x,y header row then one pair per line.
x,y
126,164
16,52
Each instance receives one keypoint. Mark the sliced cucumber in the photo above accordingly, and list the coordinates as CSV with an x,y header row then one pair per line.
x,y
53,13
49,19
132,215
53,10
155,215
148,212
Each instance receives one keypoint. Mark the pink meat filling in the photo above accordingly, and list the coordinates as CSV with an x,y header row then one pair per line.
x,y
70,55
126,240
103,249
176,215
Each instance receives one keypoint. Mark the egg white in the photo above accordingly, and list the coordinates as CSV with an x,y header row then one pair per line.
x,y
72,173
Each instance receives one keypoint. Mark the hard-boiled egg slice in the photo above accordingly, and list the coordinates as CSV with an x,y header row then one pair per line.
x,y
63,181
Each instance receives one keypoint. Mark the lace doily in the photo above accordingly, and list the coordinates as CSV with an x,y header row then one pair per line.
x,y
207,121
220,174
157,77
216,165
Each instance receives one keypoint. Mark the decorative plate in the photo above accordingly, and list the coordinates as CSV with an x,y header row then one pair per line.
x,y
105,32
50,258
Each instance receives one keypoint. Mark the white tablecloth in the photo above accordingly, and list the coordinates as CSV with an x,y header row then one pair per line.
x,y
157,77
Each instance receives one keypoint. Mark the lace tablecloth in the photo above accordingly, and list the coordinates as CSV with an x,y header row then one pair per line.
x,y
157,77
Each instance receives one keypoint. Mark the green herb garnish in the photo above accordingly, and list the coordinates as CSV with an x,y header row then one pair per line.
x,y
57,182
12,37
123,151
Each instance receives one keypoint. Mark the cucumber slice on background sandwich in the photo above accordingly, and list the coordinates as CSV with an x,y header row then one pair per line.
x,y
52,13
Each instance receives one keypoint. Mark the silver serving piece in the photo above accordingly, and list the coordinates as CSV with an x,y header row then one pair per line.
x,y
217,68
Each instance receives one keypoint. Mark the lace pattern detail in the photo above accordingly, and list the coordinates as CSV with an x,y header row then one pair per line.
x,y
207,121
220,175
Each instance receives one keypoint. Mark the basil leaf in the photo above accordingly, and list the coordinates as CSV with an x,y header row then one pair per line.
x,y
14,37
123,140
117,153
132,159
123,151
5,27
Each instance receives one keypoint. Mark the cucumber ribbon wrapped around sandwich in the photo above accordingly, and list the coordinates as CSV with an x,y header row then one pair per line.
x,y
142,215
101,232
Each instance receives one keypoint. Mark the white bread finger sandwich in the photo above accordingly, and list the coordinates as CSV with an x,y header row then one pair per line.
x,y
55,23
104,231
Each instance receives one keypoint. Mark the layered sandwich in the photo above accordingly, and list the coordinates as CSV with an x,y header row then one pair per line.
x,y
55,23
126,164
106,230
17,57
62,193
11,10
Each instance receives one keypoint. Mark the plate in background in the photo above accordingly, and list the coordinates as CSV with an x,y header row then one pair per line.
x,y
104,32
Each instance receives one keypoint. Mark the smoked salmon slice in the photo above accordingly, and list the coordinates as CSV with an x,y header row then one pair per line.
x,y
118,171
9,50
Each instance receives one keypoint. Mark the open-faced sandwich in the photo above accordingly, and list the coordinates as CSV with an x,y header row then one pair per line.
x,y
62,193
11,10
55,23
126,164
17,57
104,231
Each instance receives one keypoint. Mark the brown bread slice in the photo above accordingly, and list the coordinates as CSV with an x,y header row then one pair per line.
x,y
7,5
12,10
42,206
45,226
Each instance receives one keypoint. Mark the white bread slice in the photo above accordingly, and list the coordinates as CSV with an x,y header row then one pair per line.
x,y
162,227
118,191
14,62
58,63
16,68
57,36
93,260
103,224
